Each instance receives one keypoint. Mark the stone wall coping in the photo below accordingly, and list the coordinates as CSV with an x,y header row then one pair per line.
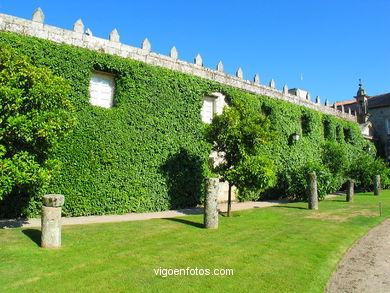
x,y
76,38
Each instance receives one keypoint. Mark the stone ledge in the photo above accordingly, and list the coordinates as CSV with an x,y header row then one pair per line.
x,y
31,28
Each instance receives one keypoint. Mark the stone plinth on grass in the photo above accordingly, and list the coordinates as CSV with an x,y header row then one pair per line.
x,y
51,220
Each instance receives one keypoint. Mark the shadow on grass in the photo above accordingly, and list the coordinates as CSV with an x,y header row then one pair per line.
x,y
190,223
224,214
34,235
290,207
191,211
12,223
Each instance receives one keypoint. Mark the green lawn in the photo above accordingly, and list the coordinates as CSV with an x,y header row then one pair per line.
x,y
277,249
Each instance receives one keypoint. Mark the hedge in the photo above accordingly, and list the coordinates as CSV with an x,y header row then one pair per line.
x,y
148,152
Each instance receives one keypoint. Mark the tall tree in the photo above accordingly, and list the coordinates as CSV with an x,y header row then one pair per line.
x,y
34,114
237,135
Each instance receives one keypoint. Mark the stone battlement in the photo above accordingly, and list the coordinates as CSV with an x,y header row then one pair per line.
x,y
79,38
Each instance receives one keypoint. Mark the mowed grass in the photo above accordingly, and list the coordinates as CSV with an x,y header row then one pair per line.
x,y
278,249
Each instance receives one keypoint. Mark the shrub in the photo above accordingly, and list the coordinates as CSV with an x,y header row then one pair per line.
x,y
255,174
326,181
34,115
363,170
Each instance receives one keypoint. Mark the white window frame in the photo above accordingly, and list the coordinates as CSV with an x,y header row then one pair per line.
x,y
388,126
102,89
219,103
206,101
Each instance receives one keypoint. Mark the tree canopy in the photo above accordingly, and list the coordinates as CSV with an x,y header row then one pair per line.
x,y
237,135
34,114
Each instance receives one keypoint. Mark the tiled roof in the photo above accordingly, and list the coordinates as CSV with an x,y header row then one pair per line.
x,y
346,102
373,102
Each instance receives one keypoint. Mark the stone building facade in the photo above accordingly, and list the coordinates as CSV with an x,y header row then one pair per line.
x,y
373,115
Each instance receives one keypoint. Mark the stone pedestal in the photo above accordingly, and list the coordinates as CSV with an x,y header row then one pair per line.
x,y
210,205
312,190
377,185
350,190
51,220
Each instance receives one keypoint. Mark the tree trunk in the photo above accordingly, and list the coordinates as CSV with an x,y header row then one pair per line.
x,y
229,209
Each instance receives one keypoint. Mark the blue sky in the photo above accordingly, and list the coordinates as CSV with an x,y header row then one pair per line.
x,y
331,44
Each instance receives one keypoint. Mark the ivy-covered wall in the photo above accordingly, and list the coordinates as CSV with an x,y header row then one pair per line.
x,y
148,152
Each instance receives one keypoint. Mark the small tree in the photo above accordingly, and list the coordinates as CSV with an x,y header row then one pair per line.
x,y
34,114
237,134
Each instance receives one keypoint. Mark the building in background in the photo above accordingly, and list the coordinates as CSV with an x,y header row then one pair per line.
x,y
373,116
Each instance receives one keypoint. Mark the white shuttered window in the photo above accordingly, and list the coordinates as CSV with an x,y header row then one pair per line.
x,y
212,105
208,109
101,90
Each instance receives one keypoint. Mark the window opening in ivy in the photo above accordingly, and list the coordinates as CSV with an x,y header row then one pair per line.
x,y
101,89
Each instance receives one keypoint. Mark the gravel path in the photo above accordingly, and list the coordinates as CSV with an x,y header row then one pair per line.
x,y
366,266
15,223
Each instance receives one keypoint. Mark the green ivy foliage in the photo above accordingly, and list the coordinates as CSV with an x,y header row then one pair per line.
x,y
148,153
313,152
145,154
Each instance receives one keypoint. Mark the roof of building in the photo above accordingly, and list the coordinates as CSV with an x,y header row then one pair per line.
x,y
373,102
379,101
346,102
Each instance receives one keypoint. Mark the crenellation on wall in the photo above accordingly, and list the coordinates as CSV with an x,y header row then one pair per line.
x,y
272,84
114,47
78,26
38,16
173,53
88,32
146,45
220,66
198,60
114,36
240,73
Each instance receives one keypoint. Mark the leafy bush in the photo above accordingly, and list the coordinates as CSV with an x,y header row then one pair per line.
x,y
34,115
363,170
326,182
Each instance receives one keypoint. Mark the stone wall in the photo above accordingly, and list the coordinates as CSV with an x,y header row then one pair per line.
x,y
379,119
84,39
